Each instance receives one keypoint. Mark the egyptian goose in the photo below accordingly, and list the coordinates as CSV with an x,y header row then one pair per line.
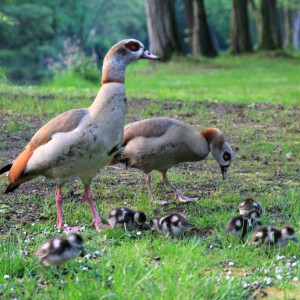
x,y
126,217
248,204
57,251
79,142
270,237
173,224
160,143
241,225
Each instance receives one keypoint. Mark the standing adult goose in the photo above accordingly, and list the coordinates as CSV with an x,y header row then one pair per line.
x,y
79,142
160,143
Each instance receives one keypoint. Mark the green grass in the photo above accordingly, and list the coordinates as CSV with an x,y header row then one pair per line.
x,y
231,79
154,267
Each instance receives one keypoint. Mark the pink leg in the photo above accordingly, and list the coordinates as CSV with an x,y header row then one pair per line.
x,y
96,218
59,219
148,185
178,193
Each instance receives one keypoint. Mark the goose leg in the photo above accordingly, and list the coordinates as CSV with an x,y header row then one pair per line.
x,y
59,199
96,218
177,193
148,185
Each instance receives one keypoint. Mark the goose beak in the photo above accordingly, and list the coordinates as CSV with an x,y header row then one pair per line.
x,y
224,171
147,55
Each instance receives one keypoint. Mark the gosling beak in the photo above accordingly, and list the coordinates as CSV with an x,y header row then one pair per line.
x,y
147,55
224,171
295,239
83,251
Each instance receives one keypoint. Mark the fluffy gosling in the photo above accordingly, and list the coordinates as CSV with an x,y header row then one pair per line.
x,y
241,225
173,224
248,204
58,250
269,237
127,218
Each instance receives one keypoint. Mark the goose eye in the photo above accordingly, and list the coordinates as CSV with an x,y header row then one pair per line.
x,y
227,156
132,46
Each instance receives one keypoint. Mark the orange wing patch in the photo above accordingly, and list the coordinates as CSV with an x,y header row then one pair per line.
x,y
20,164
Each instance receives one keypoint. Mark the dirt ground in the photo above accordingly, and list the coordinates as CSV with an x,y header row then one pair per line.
x,y
248,128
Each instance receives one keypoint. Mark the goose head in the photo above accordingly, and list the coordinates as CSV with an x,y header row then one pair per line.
x,y
288,233
119,56
76,241
154,224
219,148
140,217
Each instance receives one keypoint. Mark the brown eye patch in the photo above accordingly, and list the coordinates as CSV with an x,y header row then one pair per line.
x,y
133,46
227,156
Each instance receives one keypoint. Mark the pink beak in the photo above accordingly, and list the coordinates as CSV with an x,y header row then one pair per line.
x,y
147,55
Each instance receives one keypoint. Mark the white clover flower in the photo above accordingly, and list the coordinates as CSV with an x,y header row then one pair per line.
x,y
88,256
6,276
85,269
295,279
231,264
268,280
279,277
109,278
279,257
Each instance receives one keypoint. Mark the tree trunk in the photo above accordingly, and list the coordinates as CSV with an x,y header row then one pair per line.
x,y
288,28
270,38
240,29
162,29
296,30
257,17
202,39
189,23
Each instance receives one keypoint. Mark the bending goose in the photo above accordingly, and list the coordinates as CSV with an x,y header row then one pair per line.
x,y
79,142
160,143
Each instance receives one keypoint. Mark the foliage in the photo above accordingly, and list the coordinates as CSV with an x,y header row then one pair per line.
x,y
2,75
40,27
73,60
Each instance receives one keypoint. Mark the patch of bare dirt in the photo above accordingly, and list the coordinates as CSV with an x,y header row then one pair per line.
x,y
244,125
